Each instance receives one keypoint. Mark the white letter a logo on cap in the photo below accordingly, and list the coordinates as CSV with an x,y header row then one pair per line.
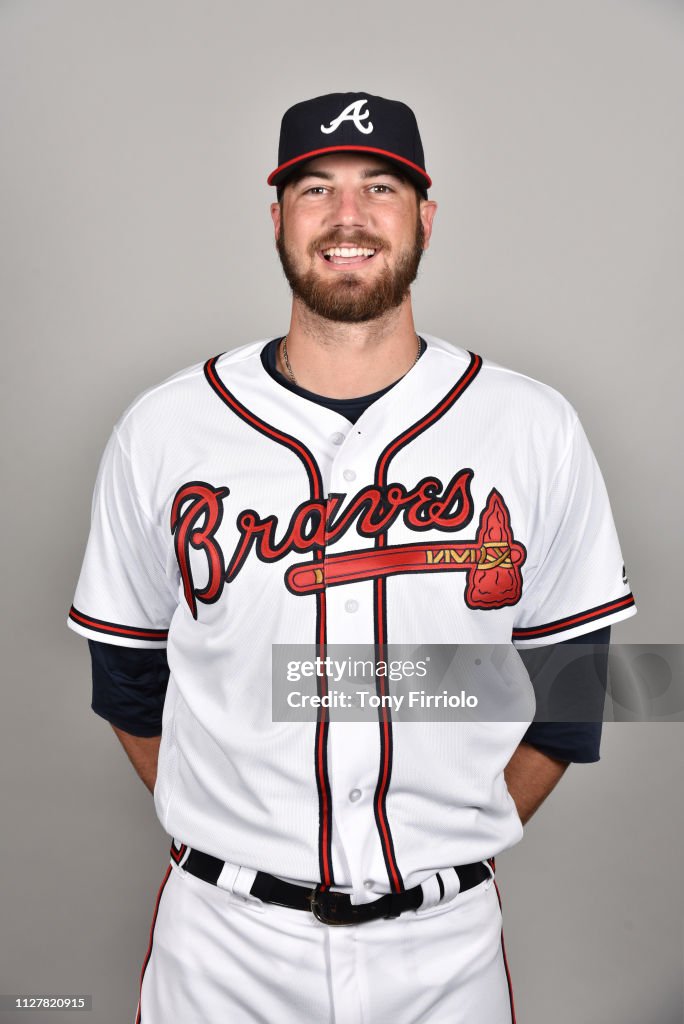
x,y
351,113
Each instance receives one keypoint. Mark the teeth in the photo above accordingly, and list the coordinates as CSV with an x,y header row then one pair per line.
x,y
349,252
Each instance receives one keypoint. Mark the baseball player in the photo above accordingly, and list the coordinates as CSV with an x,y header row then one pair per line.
x,y
350,482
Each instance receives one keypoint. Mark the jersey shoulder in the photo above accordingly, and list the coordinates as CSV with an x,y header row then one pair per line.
x,y
182,391
496,383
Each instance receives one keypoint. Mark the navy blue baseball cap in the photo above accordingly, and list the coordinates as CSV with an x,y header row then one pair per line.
x,y
355,122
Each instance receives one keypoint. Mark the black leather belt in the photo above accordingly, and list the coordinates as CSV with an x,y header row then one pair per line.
x,y
333,908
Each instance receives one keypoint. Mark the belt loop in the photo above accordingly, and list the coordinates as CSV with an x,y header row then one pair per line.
x,y
451,883
238,880
229,873
432,894
242,885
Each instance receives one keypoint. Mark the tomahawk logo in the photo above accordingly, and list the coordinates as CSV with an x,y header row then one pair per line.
x,y
351,113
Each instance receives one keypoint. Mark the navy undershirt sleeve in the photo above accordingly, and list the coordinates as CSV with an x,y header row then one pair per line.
x,y
572,741
129,684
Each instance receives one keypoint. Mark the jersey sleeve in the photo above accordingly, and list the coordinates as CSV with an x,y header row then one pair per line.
x,y
577,580
124,595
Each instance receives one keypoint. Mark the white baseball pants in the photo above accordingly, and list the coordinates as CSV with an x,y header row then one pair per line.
x,y
216,958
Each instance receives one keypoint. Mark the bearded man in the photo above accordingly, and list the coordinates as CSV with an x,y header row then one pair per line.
x,y
352,481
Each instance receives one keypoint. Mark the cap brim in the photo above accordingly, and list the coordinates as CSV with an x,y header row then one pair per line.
x,y
420,177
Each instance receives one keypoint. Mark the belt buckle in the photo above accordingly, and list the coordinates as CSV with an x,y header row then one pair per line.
x,y
319,901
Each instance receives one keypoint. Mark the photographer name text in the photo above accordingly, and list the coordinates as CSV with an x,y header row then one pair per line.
x,y
363,699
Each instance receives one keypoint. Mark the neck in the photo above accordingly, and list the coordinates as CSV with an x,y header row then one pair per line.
x,y
341,360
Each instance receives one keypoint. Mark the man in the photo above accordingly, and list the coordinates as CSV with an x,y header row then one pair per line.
x,y
259,500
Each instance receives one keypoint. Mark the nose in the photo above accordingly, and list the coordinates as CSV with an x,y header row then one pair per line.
x,y
348,211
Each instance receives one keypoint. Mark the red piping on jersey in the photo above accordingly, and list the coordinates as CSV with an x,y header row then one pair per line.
x,y
115,628
138,1016
576,620
381,814
322,779
349,149
390,451
505,958
380,605
321,741
265,428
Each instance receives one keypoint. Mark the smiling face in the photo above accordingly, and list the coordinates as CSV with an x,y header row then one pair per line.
x,y
350,232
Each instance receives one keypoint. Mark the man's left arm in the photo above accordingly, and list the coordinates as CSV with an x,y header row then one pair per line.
x,y
547,748
530,776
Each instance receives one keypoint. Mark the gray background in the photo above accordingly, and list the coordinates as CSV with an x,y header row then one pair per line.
x,y
136,138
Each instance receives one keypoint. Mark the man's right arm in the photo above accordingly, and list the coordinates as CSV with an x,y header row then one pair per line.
x,y
129,687
143,753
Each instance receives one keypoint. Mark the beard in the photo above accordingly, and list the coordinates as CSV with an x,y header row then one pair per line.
x,y
346,297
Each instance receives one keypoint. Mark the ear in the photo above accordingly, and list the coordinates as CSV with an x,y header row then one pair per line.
x,y
428,209
276,216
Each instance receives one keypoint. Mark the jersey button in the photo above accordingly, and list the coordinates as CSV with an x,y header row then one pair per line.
x,y
355,795
349,474
337,438
351,606
368,884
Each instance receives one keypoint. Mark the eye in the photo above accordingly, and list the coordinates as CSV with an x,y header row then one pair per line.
x,y
315,190
384,189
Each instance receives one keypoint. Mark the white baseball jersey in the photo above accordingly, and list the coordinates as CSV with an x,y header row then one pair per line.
x,y
464,506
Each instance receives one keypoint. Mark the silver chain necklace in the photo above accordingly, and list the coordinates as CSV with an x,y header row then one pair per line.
x,y
292,377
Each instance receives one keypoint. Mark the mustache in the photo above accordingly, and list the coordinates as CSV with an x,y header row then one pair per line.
x,y
339,238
